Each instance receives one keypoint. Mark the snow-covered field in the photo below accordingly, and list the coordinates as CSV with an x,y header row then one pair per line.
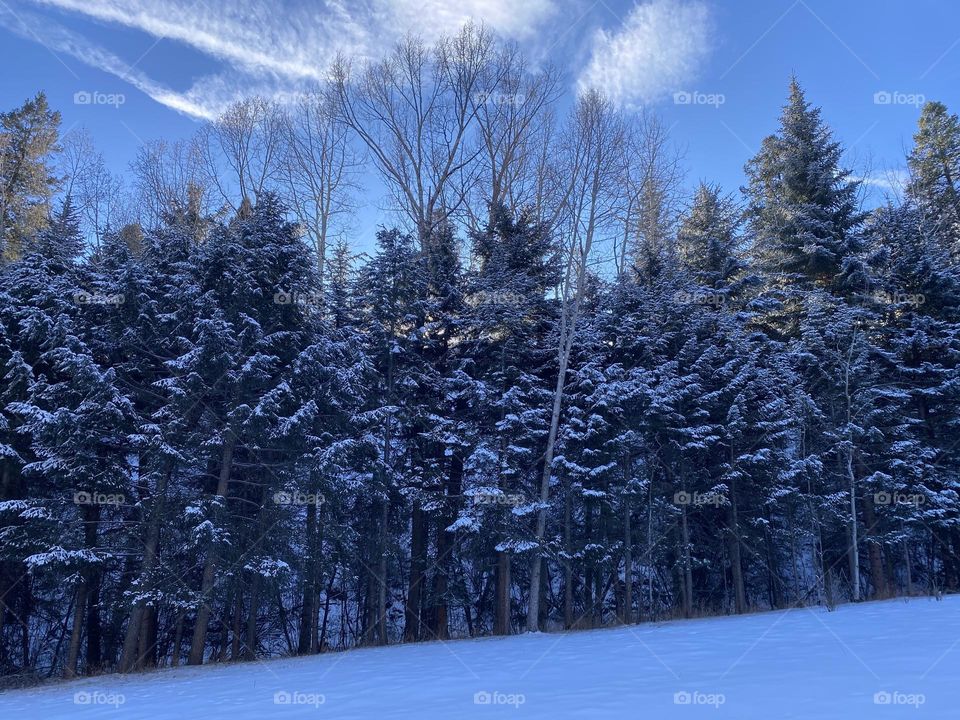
x,y
876,660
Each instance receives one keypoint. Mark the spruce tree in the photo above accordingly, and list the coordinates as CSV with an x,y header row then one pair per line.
x,y
802,206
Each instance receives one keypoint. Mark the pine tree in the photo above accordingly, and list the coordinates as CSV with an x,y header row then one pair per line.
x,y
708,237
802,206
916,299
28,142
508,321
390,289
934,164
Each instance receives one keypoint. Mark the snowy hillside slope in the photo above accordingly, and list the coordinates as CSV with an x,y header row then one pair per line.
x,y
890,659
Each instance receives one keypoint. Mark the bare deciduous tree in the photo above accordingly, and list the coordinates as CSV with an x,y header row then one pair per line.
x,y
650,203
97,193
168,178
319,171
514,122
415,110
593,161
241,152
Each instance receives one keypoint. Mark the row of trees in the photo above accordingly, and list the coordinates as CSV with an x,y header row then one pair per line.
x,y
556,395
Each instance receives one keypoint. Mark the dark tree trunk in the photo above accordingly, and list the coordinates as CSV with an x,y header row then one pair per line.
x,y
308,611
76,634
501,622
199,643
445,548
878,577
736,562
150,552
418,553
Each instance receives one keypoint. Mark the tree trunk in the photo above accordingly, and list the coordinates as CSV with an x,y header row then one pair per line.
x,y
418,553
568,328
445,548
308,611
94,627
736,563
73,653
134,627
501,623
687,569
87,606
381,595
250,639
533,608
854,550
147,645
627,618
878,576
322,637
568,551
177,640
198,645
906,561
236,622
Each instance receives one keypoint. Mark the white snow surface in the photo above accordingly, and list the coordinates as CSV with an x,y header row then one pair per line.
x,y
892,659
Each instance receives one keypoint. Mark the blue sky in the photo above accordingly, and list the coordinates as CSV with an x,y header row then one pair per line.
x,y
715,71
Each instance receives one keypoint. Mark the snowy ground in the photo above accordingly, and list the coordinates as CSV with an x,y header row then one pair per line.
x,y
876,660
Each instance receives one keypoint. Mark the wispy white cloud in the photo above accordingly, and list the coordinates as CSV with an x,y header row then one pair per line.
x,y
657,50
516,19
275,47
245,35
62,41
893,180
